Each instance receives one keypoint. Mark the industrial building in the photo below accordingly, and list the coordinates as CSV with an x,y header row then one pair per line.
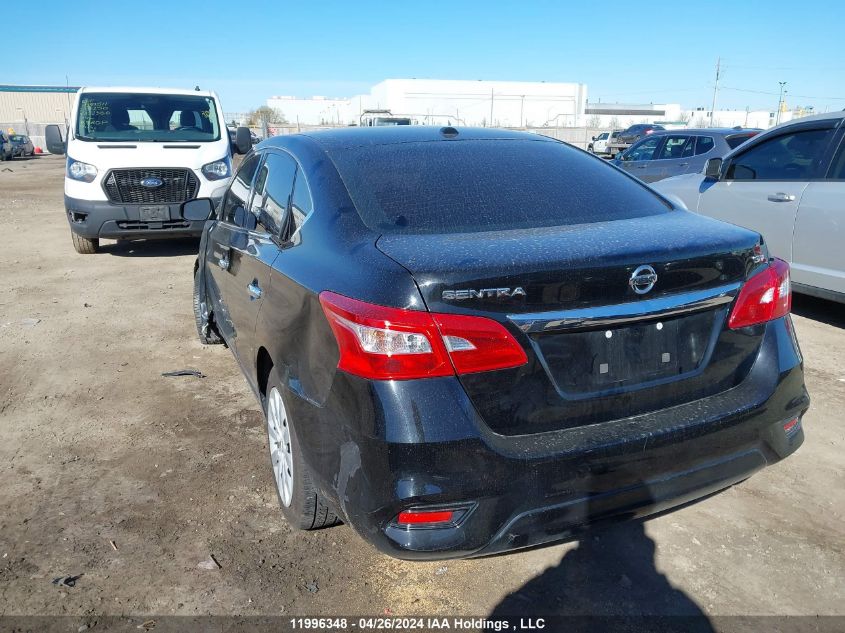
x,y
28,109
442,101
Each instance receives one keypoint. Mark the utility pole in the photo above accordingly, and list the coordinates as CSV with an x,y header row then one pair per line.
x,y
780,102
715,89
521,110
491,107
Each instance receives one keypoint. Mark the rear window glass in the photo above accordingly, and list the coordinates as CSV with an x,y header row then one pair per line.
x,y
486,185
736,141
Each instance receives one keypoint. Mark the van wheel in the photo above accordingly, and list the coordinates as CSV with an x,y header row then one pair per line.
x,y
302,504
210,337
84,245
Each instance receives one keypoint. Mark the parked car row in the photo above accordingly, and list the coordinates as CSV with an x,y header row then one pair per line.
x,y
787,183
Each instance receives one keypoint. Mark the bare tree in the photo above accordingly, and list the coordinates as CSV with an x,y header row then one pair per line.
x,y
594,121
614,123
265,115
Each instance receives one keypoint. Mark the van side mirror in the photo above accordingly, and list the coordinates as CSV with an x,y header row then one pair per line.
x,y
243,140
594,138
53,140
713,168
198,209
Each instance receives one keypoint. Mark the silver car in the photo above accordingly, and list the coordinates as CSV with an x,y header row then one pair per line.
x,y
674,152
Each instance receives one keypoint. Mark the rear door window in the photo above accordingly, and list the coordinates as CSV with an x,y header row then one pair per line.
x,y
238,194
486,185
281,171
794,156
704,144
675,145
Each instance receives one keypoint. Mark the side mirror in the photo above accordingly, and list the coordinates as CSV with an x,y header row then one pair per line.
x,y
594,137
198,209
713,168
53,140
243,140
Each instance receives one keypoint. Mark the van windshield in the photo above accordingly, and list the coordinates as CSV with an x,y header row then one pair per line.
x,y
140,117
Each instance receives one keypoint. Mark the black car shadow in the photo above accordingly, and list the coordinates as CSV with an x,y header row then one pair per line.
x,y
608,583
152,248
822,310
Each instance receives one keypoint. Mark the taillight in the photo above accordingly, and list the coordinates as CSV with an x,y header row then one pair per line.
x,y
764,297
384,343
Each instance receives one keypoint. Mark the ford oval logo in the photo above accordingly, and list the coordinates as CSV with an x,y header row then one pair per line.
x,y
643,279
152,183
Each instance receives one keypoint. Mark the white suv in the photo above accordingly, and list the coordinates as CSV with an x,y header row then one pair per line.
x,y
787,183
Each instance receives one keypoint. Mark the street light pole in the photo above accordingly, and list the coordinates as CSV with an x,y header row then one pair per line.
x,y
715,89
25,122
780,102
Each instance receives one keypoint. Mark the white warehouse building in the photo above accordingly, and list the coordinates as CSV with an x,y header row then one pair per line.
x,y
443,102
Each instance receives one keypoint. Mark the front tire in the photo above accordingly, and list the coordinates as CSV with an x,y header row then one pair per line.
x,y
84,245
302,504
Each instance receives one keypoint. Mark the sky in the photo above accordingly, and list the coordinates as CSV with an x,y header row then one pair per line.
x,y
626,52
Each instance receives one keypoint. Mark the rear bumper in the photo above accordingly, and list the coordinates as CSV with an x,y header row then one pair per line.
x,y
102,219
421,445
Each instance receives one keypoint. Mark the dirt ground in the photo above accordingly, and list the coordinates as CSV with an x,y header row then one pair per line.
x,y
129,480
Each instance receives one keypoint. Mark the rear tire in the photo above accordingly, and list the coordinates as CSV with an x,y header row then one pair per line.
x,y
302,504
84,245
210,337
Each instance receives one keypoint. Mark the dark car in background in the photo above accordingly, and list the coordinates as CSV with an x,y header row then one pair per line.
x,y
468,341
631,135
21,145
674,152
253,138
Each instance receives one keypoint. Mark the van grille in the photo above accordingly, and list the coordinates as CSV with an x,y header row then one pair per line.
x,y
124,185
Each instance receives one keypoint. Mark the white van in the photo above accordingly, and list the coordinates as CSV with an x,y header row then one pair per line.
x,y
134,155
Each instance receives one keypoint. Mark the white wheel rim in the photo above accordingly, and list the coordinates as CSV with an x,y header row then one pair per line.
x,y
281,455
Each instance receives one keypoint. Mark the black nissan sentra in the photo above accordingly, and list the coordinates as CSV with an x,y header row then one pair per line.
x,y
467,341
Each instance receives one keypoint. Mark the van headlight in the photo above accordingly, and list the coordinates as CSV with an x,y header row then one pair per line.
x,y
77,170
218,170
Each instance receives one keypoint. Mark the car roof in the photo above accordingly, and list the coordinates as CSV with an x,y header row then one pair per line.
x,y
395,134
185,92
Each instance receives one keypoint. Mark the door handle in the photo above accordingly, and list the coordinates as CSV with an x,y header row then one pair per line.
x,y
781,197
254,290
223,262
683,164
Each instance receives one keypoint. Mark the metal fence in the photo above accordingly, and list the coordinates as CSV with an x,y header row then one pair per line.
x,y
577,136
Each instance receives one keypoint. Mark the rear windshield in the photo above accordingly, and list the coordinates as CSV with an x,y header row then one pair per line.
x,y
143,117
486,185
736,141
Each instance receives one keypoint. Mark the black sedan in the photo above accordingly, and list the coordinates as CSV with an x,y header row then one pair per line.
x,y
469,341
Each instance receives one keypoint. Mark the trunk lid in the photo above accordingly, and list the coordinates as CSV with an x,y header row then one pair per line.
x,y
598,350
